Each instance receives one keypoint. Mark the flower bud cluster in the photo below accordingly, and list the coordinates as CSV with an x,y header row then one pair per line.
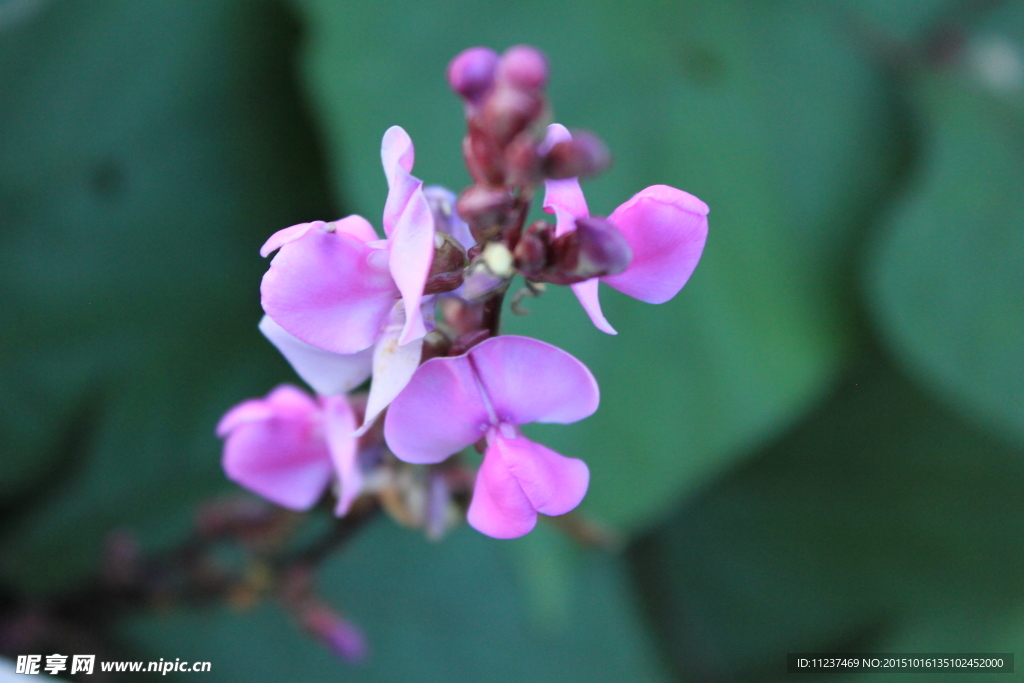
x,y
418,311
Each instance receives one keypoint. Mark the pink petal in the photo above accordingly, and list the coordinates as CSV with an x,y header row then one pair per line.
x,y
587,293
393,367
284,401
357,227
327,373
253,410
282,457
440,412
499,507
564,198
666,228
397,155
330,290
527,380
339,422
409,225
283,237
411,254
520,478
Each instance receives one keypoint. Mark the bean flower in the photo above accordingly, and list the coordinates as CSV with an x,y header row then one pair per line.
x,y
289,447
487,393
418,314
342,304
665,229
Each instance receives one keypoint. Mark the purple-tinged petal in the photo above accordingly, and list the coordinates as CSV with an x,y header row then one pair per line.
x,y
527,380
447,219
500,507
667,229
327,373
282,457
330,290
587,293
393,366
339,422
564,198
440,412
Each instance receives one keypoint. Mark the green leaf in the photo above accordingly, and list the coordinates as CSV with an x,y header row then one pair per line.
x,y
150,150
768,113
444,612
881,513
946,281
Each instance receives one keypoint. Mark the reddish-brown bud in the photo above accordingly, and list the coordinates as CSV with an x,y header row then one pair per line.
x,y
584,155
446,268
509,111
522,163
486,210
532,250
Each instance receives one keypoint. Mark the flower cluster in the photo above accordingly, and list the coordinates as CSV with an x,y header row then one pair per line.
x,y
419,312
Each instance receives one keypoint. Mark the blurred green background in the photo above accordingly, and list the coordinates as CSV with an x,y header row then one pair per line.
x,y
817,446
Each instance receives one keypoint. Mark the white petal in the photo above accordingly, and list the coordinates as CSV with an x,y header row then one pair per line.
x,y
327,373
393,364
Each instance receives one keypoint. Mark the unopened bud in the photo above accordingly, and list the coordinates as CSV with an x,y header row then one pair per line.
x,y
448,255
524,67
509,111
471,73
446,268
486,210
584,155
531,252
522,164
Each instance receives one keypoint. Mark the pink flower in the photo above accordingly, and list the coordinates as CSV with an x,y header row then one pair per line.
x,y
289,447
487,393
666,229
333,285
332,291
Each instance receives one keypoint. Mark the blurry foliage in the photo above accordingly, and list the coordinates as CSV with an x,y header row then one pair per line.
x,y
832,407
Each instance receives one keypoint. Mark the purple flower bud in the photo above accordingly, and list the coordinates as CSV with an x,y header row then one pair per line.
x,y
471,73
584,155
524,67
